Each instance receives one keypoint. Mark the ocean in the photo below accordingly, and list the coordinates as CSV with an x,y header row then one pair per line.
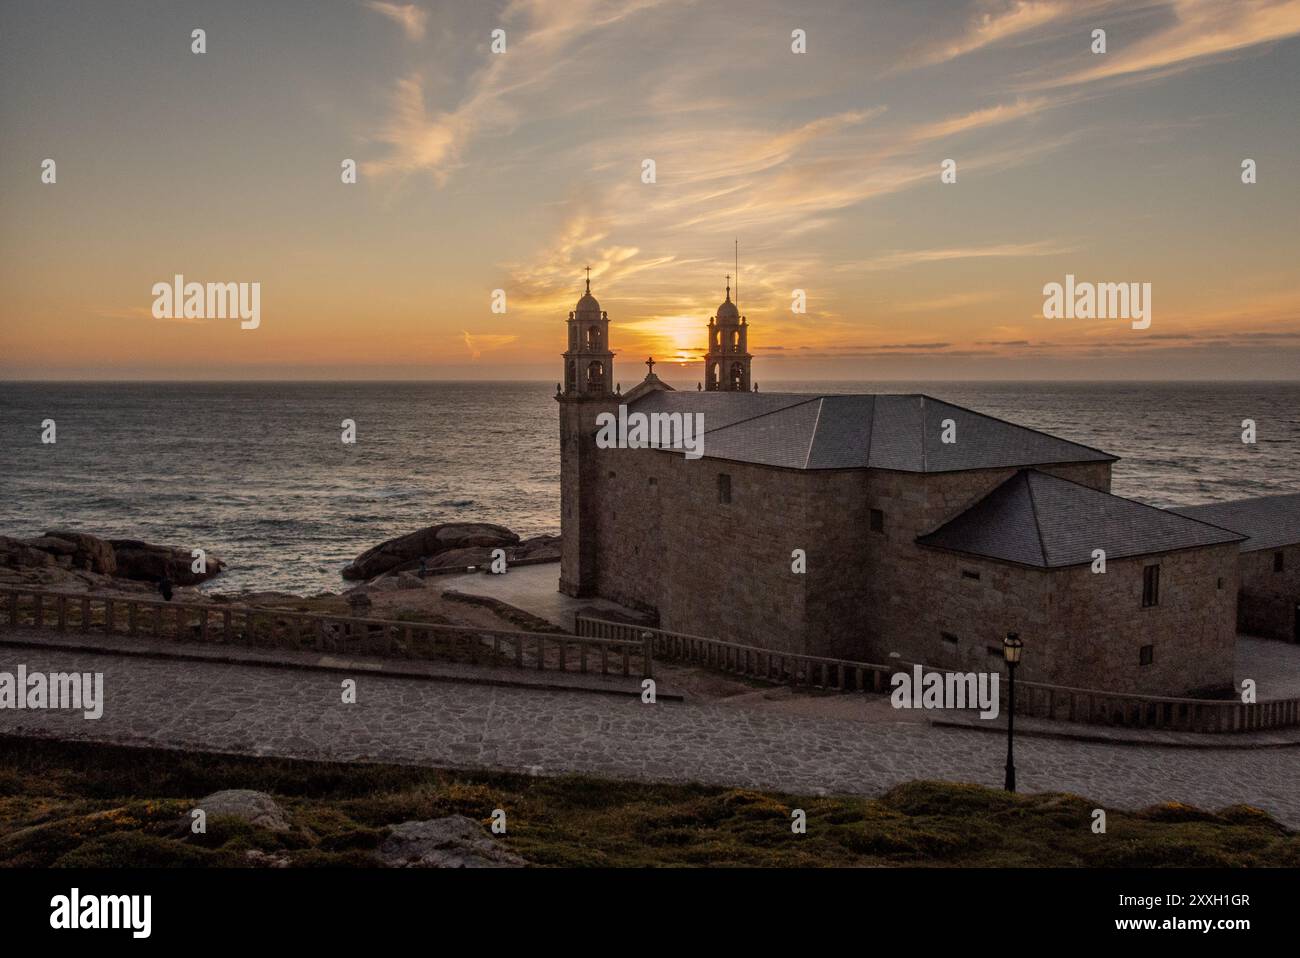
x,y
256,473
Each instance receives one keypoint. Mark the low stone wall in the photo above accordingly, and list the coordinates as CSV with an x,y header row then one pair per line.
x,y
213,624
1058,702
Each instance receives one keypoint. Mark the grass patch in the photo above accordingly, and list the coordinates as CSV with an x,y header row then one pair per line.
x,y
67,803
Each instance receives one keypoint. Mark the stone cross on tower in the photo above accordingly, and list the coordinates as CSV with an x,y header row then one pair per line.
x,y
650,364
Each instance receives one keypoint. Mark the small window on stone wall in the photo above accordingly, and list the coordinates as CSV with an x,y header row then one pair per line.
x,y
877,521
653,481
611,475
994,651
949,638
970,574
1150,586
1220,582
1278,562
724,487
1146,655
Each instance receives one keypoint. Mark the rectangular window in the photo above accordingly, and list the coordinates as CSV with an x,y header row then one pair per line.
x,y
968,574
949,638
1146,655
653,481
724,487
1150,586
877,521
995,652
1278,562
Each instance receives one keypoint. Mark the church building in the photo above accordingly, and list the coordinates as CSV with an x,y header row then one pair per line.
x,y
867,527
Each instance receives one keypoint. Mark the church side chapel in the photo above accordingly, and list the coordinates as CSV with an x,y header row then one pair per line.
x,y
929,530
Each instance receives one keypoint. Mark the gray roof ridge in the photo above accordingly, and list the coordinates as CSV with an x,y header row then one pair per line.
x,y
812,437
1138,502
770,412
1033,509
1016,425
1174,512
925,460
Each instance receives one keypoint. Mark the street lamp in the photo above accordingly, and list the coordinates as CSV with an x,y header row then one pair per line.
x,y
1011,649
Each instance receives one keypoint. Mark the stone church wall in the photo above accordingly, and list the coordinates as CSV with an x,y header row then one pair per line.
x,y
1269,599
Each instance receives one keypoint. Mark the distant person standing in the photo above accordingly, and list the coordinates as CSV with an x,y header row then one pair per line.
x,y
165,587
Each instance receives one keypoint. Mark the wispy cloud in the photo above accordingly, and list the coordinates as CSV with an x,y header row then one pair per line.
x,y
408,16
979,119
419,141
995,22
1201,31
898,259
479,343
547,33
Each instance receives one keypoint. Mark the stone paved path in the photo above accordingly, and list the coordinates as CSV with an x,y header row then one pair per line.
x,y
262,711
533,588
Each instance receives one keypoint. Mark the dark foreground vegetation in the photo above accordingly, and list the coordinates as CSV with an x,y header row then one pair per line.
x,y
75,804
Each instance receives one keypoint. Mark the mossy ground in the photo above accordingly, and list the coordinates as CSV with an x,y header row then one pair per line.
x,y
74,804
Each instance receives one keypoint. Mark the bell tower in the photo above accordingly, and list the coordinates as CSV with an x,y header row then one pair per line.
x,y
587,391
726,365
588,363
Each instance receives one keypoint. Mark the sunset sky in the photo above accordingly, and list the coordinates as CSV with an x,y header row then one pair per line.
x,y
480,171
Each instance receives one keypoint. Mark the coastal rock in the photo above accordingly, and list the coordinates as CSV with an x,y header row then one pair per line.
x,y
59,548
536,548
462,558
89,552
144,560
405,552
63,558
452,842
17,554
256,808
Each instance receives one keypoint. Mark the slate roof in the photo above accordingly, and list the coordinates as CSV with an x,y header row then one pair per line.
x,y
1039,520
898,432
1270,521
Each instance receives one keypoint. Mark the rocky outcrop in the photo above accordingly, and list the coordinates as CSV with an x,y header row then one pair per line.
x,y
17,554
256,808
392,582
144,560
538,548
405,552
88,552
452,842
66,559
455,546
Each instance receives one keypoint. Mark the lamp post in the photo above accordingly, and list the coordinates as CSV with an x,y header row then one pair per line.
x,y
1011,649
